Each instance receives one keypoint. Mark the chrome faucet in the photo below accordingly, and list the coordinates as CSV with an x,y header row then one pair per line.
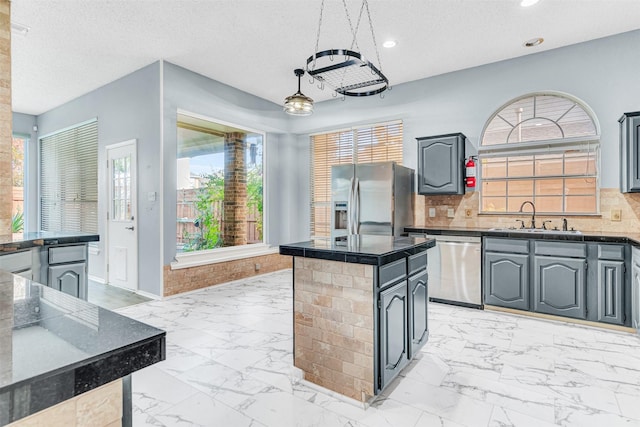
x,y
533,216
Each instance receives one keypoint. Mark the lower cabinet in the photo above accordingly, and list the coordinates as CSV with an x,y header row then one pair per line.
x,y
635,289
403,325
506,280
611,292
394,351
68,278
581,280
559,286
418,319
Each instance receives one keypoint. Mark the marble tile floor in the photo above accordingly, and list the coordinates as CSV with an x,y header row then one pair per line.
x,y
229,353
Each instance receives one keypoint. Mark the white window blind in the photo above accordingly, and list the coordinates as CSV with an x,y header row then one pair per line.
x,y
69,180
367,144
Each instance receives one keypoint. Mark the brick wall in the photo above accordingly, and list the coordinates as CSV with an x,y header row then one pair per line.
x,y
6,183
190,279
333,325
235,190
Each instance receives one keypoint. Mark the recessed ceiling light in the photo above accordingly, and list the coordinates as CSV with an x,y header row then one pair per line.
x,y
533,42
527,3
389,44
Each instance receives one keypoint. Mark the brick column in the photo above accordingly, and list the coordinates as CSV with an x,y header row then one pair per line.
x,y
6,181
235,190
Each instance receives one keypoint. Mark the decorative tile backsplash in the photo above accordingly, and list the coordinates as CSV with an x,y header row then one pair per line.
x,y
611,200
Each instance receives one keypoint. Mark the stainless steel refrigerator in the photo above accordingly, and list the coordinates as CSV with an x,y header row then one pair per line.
x,y
371,198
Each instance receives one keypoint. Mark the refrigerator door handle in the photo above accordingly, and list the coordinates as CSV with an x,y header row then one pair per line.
x,y
356,199
350,209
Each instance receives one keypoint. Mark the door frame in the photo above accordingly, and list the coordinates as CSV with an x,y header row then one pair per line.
x,y
134,143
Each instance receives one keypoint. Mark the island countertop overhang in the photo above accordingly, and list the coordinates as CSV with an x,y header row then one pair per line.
x,y
360,249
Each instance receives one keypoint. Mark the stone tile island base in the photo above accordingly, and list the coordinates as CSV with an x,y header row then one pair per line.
x,y
100,407
334,325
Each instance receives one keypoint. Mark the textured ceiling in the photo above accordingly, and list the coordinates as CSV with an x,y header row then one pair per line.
x,y
75,46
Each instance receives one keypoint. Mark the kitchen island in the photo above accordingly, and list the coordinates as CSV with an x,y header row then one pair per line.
x,y
360,310
64,361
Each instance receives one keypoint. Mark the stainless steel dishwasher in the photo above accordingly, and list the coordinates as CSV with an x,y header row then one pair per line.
x,y
454,270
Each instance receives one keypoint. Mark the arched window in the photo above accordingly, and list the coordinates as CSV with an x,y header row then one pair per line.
x,y
542,148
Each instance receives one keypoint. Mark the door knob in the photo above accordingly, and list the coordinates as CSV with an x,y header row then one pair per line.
x,y
129,228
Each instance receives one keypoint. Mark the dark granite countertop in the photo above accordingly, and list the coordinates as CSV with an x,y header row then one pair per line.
x,y
54,346
585,236
15,242
360,249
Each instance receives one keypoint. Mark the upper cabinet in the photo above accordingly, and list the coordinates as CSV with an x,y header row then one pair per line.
x,y
630,152
440,164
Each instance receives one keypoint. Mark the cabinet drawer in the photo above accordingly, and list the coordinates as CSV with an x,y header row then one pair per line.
x,y
562,249
417,262
16,261
392,272
516,246
614,252
61,254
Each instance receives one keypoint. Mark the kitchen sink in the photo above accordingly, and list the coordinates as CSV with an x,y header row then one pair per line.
x,y
533,230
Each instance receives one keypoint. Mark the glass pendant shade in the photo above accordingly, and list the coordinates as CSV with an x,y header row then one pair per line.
x,y
298,104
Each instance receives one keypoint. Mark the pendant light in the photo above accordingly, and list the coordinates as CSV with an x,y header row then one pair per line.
x,y
298,104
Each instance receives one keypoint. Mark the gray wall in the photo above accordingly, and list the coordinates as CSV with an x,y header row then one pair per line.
x,y
127,108
603,73
23,125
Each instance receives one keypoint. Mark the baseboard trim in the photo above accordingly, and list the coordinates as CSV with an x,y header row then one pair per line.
x,y
96,279
617,328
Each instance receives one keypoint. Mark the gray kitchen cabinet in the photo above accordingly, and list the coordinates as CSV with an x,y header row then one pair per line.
x,y
630,152
635,288
505,272
418,320
65,268
69,278
22,263
559,286
441,164
394,342
506,280
610,292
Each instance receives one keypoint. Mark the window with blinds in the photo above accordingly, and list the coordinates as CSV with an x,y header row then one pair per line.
x,y
366,144
69,180
541,148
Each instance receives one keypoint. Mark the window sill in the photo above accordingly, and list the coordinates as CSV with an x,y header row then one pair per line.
x,y
214,256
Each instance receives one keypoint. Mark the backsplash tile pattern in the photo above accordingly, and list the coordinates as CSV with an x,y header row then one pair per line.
x,y
610,198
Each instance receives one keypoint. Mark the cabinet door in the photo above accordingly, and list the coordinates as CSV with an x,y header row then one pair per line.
x,y
68,278
635,290
630,152
418,323
559,286
440,161
506,280
394,353
611,292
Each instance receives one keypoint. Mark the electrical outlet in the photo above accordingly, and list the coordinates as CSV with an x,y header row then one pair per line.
x,y
450,213
257,267
468,213
432,212
616,214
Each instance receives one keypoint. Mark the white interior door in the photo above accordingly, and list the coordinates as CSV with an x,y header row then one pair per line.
x,y
122,234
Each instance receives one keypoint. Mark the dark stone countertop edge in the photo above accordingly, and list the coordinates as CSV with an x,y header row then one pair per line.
x,y
583,237
356,257
72,380
32,240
